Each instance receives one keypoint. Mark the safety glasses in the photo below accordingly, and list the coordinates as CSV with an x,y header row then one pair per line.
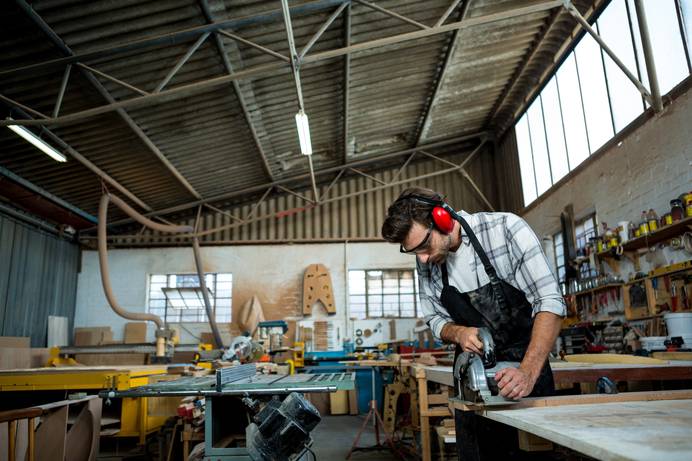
x,y
421,246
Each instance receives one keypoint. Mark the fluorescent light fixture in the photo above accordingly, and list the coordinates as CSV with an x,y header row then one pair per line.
x,y
38,142
304,133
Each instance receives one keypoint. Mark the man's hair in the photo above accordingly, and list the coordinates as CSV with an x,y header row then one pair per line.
x,y
405,210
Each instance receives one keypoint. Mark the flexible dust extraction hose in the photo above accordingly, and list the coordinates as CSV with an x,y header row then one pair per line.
x,y
103,262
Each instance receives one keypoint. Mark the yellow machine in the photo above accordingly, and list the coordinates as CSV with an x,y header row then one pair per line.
x,y
138,417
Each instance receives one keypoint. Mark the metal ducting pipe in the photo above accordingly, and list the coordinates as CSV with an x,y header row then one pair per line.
x,y
105,274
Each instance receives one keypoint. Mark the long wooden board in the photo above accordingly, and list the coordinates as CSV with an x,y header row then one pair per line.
x,y
622,431
584,399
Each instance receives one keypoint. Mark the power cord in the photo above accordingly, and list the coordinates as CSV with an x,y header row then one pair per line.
x,y
314,457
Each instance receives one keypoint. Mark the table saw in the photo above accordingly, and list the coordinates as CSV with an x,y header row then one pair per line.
x,y
247,413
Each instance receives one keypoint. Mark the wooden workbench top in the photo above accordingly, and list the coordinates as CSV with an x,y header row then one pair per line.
x,y
568,372
154,369
636,431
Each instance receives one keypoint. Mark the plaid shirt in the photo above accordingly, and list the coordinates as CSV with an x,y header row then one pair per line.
x,y
514,251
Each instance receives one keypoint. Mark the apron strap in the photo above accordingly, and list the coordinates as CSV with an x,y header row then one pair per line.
x,y
487,265
445,276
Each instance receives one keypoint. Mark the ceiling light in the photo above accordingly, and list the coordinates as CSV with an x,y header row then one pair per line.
x,y
303,133
38,142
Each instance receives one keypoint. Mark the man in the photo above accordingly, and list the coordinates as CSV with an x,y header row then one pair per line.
x,y
482,270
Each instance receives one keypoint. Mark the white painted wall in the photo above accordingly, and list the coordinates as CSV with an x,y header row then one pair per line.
x,y
273,272
651,166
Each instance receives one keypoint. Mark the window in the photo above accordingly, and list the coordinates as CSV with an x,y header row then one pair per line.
x,y
559,252
220,286
589,99
388,293
584,230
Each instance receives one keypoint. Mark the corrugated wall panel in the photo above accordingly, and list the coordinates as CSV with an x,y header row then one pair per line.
x,y
289,218
509,174
38,278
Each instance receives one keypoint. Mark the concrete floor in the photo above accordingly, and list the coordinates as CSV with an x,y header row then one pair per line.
x,y
334,436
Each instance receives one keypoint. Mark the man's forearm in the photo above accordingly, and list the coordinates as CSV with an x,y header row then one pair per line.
x,y
450,332
546,328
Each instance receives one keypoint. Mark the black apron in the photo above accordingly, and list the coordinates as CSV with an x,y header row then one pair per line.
x,y
506,312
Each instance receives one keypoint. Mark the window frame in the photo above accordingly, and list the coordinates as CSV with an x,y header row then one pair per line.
x,y
602,68
201,314
367,294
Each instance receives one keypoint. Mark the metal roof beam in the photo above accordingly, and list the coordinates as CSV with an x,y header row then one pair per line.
x,y
87,163
459,167
347,80
502,100
57,41
111,78
426,119
209,84
322,29
263,49
393,14
238,92
296,62
177,37
181,62
27,109
61,91
449,11
326,171
44,193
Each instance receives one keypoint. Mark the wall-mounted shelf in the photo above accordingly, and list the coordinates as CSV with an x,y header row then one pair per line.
x,y
609,286
631,247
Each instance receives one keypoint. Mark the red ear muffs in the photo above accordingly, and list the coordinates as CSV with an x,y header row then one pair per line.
x,y
443,220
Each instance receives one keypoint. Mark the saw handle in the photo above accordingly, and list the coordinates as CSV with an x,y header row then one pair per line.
x,y
489,359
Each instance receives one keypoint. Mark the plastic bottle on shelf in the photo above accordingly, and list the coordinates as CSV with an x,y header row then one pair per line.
x,y
652,219
677,209
644,224
687,200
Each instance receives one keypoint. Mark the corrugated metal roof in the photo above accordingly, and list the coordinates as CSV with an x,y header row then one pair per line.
x,y
399,95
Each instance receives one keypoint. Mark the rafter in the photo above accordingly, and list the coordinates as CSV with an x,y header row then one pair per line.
x,y
209,84
393,14
58,42
221,48
298,179
426,119
105,177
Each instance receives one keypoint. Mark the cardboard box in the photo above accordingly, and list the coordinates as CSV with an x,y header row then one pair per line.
x,y
135,332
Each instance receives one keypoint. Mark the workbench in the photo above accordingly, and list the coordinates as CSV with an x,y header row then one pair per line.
x,y
621,431
566,373
431,405
631,426
136,417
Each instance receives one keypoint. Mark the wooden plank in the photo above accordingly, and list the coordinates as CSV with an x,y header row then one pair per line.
x,y
623,431
437,412
531,442
637,373
15,341
614,358
586,399
424,419
672,355
438,399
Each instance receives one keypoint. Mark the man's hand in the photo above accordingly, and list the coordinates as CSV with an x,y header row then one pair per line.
x,y
514,383
466,337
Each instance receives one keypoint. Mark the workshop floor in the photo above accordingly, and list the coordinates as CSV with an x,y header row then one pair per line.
x,y
334,436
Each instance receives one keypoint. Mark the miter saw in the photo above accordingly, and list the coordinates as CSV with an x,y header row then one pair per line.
x,y
476,374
